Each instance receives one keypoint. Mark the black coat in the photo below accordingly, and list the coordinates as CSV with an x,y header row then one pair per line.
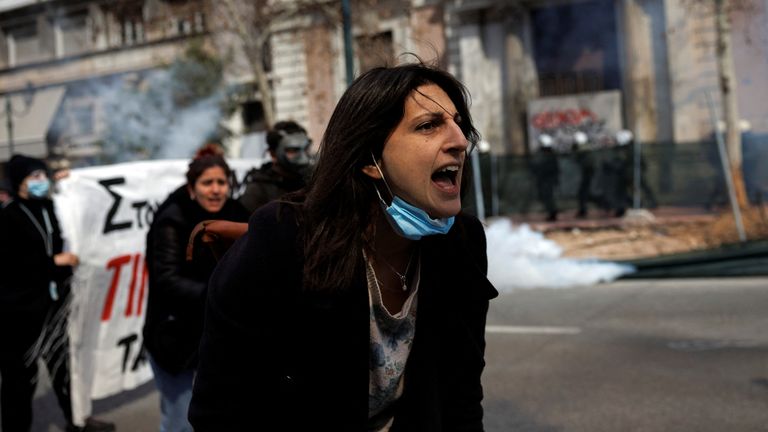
x,y
267,183
275,357
26,268
177,287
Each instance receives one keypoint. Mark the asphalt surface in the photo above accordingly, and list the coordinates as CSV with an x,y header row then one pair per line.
x,y
638,355
643,355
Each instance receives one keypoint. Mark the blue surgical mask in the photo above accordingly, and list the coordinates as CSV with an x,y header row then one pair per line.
x,y
38,188
412,222
408,220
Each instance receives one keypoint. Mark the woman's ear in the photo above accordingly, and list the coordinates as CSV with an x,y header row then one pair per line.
x,y
191,192
372,171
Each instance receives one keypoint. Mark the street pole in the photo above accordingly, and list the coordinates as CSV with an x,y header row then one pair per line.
x,y
347,22
637,173
9,123
478,184
726,170
494,184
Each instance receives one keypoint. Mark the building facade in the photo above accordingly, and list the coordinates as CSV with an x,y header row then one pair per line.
x,y
658,56
52,52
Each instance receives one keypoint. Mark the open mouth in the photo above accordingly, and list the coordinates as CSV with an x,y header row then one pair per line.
x,y
446,177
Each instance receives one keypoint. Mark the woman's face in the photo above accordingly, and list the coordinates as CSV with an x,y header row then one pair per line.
x,y
211,189
423,158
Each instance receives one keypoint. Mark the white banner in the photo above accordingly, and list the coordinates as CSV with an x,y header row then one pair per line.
x,y
105,213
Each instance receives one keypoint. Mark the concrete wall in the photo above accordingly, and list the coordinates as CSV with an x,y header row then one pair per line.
x,y
645,70
428,34
289,76
694,71
750,55
520,81
481,42
322,92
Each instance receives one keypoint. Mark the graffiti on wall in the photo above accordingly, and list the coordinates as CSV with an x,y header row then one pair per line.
x,y
596,115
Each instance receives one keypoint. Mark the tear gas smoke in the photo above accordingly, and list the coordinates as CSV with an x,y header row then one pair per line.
x,y
148,123
519,257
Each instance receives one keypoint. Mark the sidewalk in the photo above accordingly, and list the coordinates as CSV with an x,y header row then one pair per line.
x,y
637,235
598,219
136,410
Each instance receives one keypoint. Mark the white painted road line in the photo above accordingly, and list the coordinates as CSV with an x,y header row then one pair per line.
x,y
533,330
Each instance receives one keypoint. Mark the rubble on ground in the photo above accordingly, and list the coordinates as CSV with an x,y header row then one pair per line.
x,y
640,235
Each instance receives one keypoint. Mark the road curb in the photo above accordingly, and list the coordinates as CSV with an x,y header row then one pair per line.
x,y
741,259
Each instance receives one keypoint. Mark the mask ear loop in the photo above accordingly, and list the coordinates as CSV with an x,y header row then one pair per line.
x,y
385,183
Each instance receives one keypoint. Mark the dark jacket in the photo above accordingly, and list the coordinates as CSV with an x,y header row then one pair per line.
x,y
267,183
546,167
177,287
275,357
26,267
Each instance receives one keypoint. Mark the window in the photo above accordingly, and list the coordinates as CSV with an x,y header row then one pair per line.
x,y
576,47
74,33
252,115
199,22
24,44
133,31
375,50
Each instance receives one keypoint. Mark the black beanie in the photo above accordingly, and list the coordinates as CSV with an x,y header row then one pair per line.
x,y
19,167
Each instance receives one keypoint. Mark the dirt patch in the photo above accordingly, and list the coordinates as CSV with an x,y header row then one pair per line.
x,y
647,238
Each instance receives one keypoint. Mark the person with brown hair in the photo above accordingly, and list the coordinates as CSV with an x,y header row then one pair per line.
x,y
177,287
360,302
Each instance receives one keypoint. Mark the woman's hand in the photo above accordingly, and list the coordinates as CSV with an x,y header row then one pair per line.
x,y
66,259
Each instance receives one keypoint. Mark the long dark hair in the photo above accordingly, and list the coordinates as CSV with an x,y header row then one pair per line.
x,y
340,201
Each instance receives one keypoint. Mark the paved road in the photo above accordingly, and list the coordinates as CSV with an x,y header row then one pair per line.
x,y
671,355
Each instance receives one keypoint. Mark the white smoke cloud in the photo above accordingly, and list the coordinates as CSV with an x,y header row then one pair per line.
x,y
191,127
146,122
149,115
519,257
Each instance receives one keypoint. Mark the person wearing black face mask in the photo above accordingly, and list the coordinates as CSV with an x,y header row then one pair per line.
x,y
288,170
34,298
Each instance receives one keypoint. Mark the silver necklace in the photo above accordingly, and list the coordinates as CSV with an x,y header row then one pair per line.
x,y
403,277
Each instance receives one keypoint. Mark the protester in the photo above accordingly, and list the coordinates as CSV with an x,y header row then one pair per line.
x,y
34,298
360,303
625,139
547,172
617,175
286,172
174,316
585,160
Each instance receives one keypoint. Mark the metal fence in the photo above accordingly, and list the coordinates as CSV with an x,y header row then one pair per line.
x,y
675,175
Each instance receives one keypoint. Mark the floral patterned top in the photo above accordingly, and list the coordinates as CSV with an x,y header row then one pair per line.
x,y
391,340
